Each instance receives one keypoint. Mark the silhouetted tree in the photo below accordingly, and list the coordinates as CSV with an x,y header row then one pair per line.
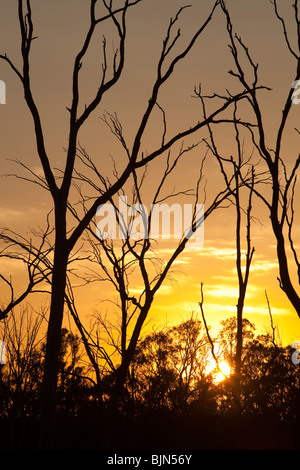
x,y
34,258
280,201
169,380
22,373
269,379
243,272
21,377
228,338
137,259
169,367
59,186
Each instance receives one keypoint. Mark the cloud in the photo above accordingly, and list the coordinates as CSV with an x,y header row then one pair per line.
x,y
163,290
222,253
11,266
229,291
6,215
222,291
258,310
9,215
185,260
263,266
224,310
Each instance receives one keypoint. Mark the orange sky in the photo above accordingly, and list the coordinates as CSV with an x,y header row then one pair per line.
x,y
60,29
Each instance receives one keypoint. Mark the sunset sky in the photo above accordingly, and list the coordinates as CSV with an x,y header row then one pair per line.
x,y
60,27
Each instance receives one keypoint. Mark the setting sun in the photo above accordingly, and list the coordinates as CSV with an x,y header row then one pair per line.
x,y
223,373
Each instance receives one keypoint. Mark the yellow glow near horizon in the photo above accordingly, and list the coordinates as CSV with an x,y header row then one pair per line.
x,y
215,263
223,373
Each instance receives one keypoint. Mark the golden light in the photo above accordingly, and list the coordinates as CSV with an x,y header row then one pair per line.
x,y
221,372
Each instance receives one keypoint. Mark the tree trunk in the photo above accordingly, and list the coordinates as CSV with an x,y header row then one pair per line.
x,y
285,280
49,385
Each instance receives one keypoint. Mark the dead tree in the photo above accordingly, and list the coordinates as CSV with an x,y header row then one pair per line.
x,y
35,257
283,176
135,268
67,238
124,261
